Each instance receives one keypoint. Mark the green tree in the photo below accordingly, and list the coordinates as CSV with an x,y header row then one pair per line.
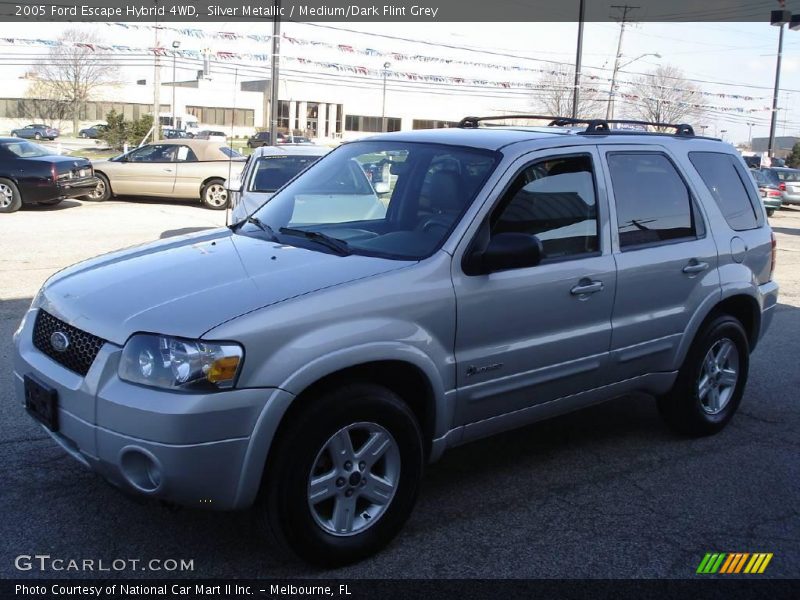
x,y
119,131
794,158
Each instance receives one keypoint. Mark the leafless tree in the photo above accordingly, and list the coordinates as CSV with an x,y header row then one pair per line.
x,y
663,96
73,71
554,95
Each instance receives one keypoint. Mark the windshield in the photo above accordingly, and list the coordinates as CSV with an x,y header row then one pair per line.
x,y
383,198
230,152
272,172
27,149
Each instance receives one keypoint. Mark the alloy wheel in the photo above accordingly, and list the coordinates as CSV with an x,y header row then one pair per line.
x,y
216,195
719,375
353,479
6,196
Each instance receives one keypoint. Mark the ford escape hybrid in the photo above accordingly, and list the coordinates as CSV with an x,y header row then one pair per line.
x,y
311,358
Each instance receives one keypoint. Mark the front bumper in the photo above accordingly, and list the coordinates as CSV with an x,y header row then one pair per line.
x,y
790,198
190,449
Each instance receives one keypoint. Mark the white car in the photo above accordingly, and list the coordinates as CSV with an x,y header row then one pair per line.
x,y
214,136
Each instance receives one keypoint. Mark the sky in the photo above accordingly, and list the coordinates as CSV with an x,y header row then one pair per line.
x,y
727,58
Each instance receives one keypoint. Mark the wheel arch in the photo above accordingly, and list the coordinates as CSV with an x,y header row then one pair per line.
x,y
410,380
740,304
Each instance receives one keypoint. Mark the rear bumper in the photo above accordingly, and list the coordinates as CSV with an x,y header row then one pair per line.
x,y
78,188
768,299
773,203
790,198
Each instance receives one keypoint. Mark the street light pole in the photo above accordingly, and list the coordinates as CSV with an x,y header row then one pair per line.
x,y
617,67
275,74
156,82
386,66
750,135
175,45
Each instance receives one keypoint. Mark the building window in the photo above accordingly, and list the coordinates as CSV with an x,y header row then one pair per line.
x,y
431,124
215,115
371,124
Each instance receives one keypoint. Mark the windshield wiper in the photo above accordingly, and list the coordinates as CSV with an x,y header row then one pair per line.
x,y
260,224
339,246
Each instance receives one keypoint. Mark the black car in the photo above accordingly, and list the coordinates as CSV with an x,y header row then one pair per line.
x,y
92,132
175,134
262,139
32,174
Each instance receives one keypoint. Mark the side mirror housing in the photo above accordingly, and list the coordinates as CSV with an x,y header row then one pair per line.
x,y
506,251
233,185
381,187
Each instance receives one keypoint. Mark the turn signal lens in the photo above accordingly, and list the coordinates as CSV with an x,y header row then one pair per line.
x,y
223,369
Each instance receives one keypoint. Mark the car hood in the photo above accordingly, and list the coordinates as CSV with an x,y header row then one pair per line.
x,y
188,285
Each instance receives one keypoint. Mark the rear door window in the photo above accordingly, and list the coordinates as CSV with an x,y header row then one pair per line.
x,y
727,181
653,203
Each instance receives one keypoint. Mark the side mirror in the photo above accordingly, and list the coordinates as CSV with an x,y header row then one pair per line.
x,y
381,187
233,185
506,251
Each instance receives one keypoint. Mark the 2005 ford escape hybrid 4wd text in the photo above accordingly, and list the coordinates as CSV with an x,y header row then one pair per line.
x,y
310,359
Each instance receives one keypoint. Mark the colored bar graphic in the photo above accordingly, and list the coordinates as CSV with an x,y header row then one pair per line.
x,y
729,563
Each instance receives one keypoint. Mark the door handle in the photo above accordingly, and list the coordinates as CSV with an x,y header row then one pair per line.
x,y
587,286
695,267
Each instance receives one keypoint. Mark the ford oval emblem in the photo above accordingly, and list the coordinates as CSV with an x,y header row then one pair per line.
x,y
59,341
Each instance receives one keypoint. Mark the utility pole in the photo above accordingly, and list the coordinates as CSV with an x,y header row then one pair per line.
x,y
750,135
576,94
157,82
386,66
175,45
275,73
622,23
774,119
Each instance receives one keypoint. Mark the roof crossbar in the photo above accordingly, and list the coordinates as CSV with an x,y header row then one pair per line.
x,y
598,126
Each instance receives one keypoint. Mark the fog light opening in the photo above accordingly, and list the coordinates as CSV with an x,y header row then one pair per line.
x,y
141,470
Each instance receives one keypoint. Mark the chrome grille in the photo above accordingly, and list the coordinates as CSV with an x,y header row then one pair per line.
x,y
79,353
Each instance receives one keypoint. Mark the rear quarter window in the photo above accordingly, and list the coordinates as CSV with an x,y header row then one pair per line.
x,y
728,183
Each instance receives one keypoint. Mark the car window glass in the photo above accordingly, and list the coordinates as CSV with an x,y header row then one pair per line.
x,y
230,152
792,176
153,153
722,178
370,195
186,154
272,172
653,202
26,149
554,200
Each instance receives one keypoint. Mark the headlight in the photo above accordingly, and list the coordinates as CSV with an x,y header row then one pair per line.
x,y
179,364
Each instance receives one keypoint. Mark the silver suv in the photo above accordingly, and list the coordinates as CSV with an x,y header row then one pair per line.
x,y
312,358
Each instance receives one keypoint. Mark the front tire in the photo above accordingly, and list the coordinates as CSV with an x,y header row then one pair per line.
x,y
10,198
214,195
343,476
103,190
711,382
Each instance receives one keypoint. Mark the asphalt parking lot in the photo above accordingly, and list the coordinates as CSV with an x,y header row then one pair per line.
x,y
607,492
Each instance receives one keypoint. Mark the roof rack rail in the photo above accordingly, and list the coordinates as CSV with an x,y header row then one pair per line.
x,y
599,126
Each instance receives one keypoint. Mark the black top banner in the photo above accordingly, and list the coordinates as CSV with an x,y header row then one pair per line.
x,y
399,10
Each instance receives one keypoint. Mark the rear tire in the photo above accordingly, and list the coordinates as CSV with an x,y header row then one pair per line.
x,y
102,192
37,136
367,494
214,195
711,381
770,212
10,198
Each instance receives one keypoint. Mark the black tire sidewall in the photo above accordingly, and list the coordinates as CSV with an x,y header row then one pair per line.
x,y
16,200
287,476
685,398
